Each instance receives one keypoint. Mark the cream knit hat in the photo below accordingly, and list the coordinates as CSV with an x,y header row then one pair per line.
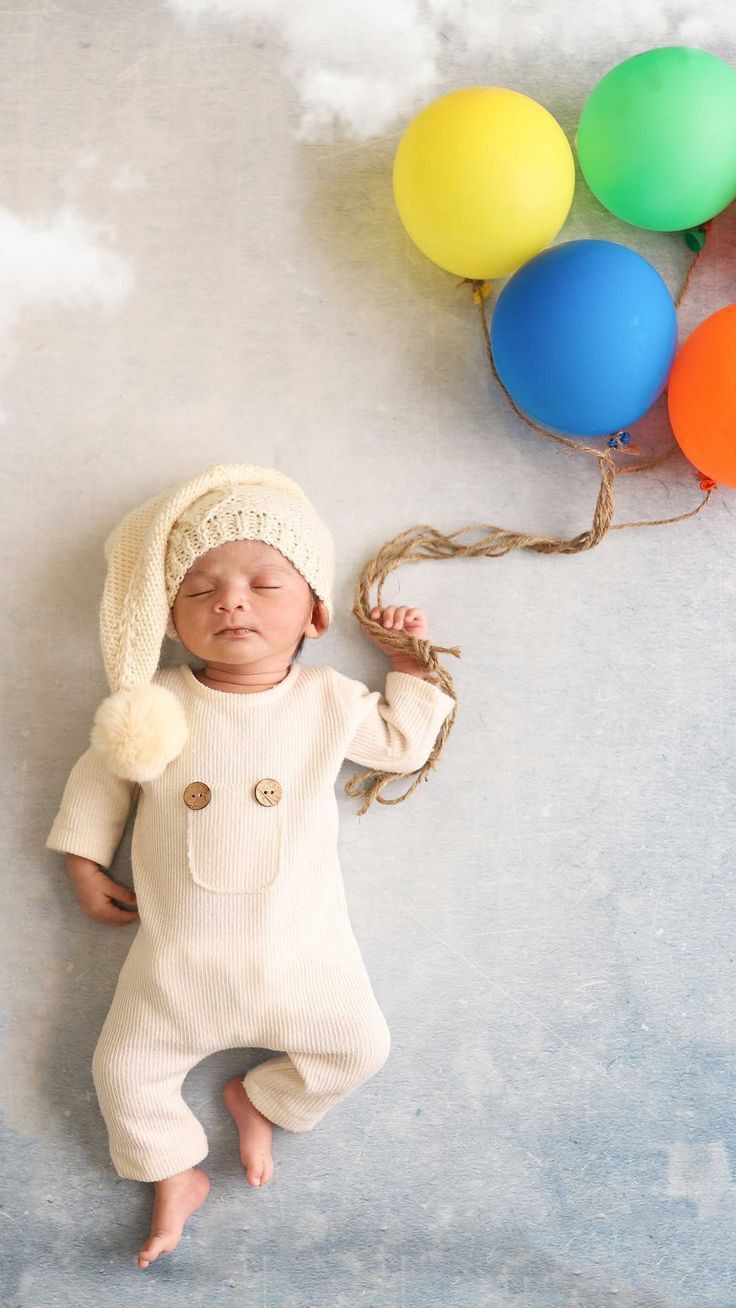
x,y
141,727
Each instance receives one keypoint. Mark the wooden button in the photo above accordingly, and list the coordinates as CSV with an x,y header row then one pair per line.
x,y
268,792
197,795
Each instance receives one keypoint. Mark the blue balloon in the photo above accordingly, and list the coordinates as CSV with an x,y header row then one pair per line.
x,y
584,336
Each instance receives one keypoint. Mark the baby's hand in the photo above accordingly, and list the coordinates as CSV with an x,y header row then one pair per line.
x,y
412,621
95,891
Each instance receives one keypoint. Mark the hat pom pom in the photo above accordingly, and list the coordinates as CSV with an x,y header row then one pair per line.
x,y
139,731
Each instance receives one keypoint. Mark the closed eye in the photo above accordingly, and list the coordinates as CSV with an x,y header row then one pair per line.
x,y
197,593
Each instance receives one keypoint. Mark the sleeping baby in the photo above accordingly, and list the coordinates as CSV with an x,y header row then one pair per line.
x,y
244,938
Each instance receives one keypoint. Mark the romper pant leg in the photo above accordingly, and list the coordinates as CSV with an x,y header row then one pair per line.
x,y
138,1067
297,1088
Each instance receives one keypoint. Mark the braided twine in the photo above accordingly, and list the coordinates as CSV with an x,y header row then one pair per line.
x,y
425,542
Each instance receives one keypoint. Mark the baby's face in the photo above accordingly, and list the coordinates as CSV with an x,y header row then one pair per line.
x,y
245,583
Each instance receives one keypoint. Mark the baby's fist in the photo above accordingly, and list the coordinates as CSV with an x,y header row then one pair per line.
x,y
393,618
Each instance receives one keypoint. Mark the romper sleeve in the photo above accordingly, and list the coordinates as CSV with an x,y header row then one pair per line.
x,y
396,731
94,810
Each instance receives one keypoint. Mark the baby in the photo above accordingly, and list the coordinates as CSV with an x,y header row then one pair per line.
x,y
244,939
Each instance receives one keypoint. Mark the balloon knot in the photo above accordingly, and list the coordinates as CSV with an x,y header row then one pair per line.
x,y
707,483
694,237
620,438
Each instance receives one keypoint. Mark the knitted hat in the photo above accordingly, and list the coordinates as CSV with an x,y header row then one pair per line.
x,y
141,727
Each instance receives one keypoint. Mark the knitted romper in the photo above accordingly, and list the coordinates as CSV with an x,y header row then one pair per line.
x,y
244,937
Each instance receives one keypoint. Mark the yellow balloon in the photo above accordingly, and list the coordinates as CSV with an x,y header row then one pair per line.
x,y
483,180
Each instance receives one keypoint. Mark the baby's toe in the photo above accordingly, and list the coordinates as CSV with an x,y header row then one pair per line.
x,y
259,1169
155,1245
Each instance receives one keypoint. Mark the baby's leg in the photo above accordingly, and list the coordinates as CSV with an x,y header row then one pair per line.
x,y
337,1055
138,1068
153,1133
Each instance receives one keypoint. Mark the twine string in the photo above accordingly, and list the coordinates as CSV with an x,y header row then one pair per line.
x,y
426,542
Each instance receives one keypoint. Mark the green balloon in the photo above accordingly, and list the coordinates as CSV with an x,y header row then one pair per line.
x,y
657,138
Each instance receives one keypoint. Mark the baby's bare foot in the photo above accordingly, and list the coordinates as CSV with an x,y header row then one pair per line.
x,y
255,1130
176,1198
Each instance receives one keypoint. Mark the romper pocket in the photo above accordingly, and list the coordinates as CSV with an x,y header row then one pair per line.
x,y
234,843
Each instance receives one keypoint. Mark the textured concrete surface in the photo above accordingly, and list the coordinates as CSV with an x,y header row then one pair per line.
x,y
201,261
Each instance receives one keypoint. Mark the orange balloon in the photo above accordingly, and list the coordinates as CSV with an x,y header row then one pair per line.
x,y
701,397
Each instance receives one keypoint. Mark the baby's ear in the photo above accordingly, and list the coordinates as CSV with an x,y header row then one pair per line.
x,y
320,617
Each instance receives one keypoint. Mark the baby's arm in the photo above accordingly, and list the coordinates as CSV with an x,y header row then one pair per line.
x,y
87,829
395,733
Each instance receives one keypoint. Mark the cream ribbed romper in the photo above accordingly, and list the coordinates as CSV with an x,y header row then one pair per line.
x,y
244,937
